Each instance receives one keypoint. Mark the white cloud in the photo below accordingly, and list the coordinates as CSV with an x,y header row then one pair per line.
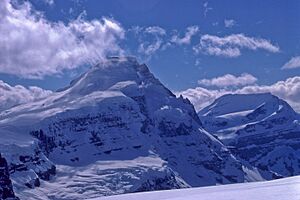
x,y
190,32
229,80
155,30
14,95
231,46
154,38
197,62
200,96
150,48
136,29
206,8
151,39
32,47
288,89
49,2
294,62
229,23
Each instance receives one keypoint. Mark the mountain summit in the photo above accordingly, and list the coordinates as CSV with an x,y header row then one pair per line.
x,y
113,130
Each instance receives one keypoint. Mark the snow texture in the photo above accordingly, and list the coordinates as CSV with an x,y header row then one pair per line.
x,y
287,188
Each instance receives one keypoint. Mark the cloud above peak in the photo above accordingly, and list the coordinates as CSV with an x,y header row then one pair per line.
x,y
154,39
33,47
229,80
190,32
232,45
151,44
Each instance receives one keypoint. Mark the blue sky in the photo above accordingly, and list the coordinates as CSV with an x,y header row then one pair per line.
x,y
260,38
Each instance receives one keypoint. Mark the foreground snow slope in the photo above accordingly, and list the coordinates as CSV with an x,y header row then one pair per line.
x,y
281,189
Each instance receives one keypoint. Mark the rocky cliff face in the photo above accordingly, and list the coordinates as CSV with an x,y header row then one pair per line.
x,y
6,188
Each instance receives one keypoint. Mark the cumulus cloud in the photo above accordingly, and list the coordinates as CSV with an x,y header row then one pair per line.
x,y
288,89
190,32
32,47
231,46
229,23
294,62
229,80
201,96
14,95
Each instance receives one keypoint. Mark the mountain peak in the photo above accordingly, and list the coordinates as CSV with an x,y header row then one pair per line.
x,y
110,72
231,103
233,111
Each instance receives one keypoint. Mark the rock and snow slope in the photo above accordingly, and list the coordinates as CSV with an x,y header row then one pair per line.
x,y
115,129
260,129
282,189
6,188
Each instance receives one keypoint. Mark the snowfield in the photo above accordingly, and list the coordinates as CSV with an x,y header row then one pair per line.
x,y
281,189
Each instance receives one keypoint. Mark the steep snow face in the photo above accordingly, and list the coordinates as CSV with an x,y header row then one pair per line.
x,y
260,129
117,111
287,188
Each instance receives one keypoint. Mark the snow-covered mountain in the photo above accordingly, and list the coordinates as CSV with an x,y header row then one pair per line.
x,y
282,189
115,129
260,129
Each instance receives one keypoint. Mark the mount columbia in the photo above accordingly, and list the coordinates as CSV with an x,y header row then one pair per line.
x,y
117,129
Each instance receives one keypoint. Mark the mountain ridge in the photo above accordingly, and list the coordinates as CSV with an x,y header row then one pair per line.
x,y
262,130
116,112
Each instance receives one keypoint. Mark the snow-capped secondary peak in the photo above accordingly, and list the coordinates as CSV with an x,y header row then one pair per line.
x,y
234,103
261,129
234,110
